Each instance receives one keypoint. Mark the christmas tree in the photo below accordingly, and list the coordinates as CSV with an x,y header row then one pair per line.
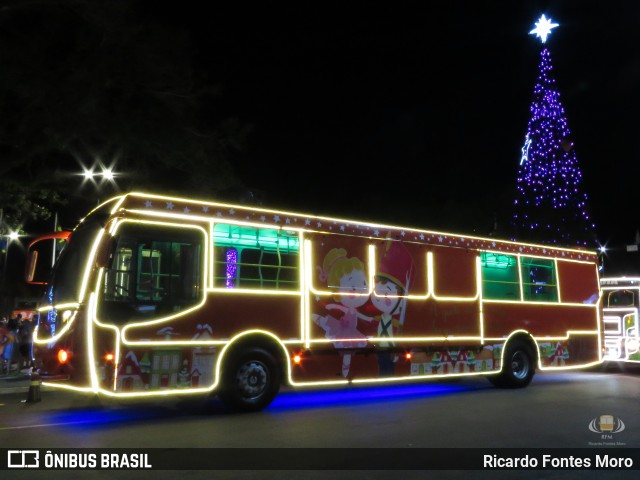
x,y
550,206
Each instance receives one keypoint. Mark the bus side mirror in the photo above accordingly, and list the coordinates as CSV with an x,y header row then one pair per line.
x,y
32,261
42,254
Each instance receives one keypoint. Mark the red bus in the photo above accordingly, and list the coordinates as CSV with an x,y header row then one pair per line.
x,y
156,295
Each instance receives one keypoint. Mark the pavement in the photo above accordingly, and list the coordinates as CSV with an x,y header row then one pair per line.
x,y
14,382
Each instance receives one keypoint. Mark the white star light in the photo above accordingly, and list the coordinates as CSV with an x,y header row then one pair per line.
x,y
543,28
525,150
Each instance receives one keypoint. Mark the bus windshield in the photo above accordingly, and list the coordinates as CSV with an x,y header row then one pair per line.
x,y
66,280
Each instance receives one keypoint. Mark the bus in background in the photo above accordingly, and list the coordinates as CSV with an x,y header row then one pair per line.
x,y
26,307
621,300
158,295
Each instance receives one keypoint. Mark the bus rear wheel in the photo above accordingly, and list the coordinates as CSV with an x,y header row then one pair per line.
x,y
518,368
251,380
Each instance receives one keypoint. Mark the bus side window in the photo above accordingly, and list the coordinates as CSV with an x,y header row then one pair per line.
x,y
500,280
539,279
621,298
148,274
118,277
256,258
156,271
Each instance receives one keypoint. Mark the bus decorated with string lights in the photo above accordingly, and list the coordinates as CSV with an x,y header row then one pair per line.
x,y
156,295
621,300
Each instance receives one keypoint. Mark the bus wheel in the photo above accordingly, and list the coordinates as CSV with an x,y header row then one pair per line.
x,y
518,368
251,380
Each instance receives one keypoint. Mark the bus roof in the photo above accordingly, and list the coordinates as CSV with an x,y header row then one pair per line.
x,y
620,281
161,206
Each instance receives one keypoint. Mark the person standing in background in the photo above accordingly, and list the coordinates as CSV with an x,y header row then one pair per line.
x,y
25,339
8,335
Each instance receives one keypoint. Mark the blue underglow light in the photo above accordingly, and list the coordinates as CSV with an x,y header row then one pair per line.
x,y
99,417
298,400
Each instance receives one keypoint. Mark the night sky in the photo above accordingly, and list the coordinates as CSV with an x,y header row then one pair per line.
x,y
414,113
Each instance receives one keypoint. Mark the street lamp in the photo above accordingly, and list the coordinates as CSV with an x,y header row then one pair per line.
x,y
100,175
11,237
107,174
87,174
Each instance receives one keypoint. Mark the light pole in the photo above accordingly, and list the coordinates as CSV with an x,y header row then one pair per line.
x,y
11,237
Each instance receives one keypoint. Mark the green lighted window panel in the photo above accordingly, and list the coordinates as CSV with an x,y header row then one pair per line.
x,y
499,276
265,259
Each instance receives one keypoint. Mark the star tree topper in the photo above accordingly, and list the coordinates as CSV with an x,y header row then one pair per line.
x,y
543,28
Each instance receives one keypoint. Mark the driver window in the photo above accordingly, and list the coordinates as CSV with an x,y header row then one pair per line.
x,y
154,271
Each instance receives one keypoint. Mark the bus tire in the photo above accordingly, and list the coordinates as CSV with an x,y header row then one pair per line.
x,y
518,368
251,380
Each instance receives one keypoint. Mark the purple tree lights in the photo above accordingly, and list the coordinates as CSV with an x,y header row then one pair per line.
x,y
550,205
232,268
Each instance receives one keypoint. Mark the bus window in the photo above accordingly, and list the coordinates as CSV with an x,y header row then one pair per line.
x,y
155,271
621,298
539,280
499,276
248,257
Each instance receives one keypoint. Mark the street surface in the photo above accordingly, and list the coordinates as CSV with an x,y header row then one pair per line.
x,y
553,412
